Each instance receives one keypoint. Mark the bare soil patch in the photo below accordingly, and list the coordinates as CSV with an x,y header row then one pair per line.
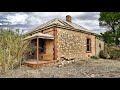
x,y
79,69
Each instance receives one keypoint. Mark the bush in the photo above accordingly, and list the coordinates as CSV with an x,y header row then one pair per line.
x,y
12,49
115,54
103,54
94,57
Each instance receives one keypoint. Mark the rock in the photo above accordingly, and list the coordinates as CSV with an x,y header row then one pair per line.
x,y
66,59
92,75
59,66
69,62
64,62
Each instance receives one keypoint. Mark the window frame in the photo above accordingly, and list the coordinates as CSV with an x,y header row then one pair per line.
x,y
90,48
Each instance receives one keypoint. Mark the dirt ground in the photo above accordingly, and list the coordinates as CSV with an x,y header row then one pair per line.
x,y
80,69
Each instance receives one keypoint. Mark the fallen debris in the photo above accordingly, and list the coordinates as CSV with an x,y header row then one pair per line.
x,y
65,61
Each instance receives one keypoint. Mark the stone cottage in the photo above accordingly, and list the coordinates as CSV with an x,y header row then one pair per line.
x,y
63,38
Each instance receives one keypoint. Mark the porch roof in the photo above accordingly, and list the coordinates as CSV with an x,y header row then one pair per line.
x,y
39,35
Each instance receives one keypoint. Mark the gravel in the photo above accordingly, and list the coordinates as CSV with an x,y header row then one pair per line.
x,y
79,69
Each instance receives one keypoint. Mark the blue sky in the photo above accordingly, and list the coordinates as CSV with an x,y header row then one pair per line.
x,y
28,20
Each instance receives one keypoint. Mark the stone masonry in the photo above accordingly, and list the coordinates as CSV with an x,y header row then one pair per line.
x,y
72,44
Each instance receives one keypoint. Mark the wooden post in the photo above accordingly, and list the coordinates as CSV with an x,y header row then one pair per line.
x,y
37,50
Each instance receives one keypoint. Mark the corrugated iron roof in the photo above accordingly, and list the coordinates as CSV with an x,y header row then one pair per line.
x,y
39,35
62,23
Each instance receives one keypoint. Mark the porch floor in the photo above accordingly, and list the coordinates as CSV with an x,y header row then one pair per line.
x,y
35,64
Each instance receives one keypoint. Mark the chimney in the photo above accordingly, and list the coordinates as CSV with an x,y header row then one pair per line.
x,y
68,18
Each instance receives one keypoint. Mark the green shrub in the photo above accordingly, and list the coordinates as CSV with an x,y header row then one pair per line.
x,y
115,54
103,54
94,57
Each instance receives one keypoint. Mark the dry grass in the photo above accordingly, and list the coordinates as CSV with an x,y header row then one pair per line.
x,y
80,69
12,49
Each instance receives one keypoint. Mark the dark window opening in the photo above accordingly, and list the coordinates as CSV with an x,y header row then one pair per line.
x,y
88,45
100,46
42,45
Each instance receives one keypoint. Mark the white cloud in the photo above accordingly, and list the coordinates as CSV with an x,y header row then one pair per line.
x,y
18,18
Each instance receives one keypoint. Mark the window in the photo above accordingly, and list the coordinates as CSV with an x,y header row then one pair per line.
x,y
88,45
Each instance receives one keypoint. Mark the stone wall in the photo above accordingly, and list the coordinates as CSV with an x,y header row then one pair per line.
x,y
72,44
48,55
99,46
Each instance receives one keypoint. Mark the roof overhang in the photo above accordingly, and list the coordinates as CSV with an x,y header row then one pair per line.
x,y
40,29
39,35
